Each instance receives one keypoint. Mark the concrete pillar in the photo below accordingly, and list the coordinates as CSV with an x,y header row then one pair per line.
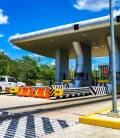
x,y
61,65
83,71
117,56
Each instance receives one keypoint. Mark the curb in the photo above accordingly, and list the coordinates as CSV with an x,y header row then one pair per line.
x,y
98,121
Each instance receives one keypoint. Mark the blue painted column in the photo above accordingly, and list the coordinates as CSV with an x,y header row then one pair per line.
x,y
117,57
61,65
83,71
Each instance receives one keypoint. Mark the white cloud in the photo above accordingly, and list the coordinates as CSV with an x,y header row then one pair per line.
x,y
93,65
96,68
100,57
94,5
34,55
3,18
53,62
6,54
1,50
1,35
117,11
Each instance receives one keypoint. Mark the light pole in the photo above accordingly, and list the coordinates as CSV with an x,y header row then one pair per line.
x,y
114,94
72,72
95,66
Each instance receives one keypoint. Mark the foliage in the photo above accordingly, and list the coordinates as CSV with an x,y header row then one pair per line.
x,y
27,69
4,64
46,74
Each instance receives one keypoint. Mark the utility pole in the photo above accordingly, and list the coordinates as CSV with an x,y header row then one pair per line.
x,y
114,111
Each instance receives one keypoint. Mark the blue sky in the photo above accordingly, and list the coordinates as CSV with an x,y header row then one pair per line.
x,y
23,16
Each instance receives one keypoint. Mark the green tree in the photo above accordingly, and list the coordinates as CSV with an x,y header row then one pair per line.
x,y
4,64
46,74
27,69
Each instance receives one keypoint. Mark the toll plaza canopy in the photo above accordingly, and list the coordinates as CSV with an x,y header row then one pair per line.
x,y
92,32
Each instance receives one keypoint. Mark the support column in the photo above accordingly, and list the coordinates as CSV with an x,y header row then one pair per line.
x,y
83,71
61,65
117,56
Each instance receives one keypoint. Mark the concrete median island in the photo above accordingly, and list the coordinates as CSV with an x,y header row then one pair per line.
x,y
100,118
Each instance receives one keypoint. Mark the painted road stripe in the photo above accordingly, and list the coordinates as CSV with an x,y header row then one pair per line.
x,y
47,126
63,123
27,129
1,113
55,124
3,128
30,125
39,127
20,132
13,127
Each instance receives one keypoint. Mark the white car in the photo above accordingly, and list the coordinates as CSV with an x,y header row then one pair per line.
x,y
7,81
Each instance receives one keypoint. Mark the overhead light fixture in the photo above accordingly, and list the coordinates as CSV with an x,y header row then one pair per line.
x,y
102,46
76,26
97,46
84,34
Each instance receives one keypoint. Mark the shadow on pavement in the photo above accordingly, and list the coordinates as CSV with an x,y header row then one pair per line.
x,y
58,107
40,111
57,102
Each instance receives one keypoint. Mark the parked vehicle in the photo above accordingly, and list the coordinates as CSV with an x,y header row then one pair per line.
x,y
7,81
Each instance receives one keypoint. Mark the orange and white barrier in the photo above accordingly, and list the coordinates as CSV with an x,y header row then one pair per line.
x,y
25,91
41,93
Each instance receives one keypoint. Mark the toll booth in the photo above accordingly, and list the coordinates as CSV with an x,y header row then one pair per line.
x,y
39,83
101,75
103,71
83,77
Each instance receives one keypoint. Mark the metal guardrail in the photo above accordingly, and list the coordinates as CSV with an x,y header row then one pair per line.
x,y
84,90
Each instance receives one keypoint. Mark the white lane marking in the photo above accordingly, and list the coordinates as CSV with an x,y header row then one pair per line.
x,y
21,128
3,128
55,125
39,130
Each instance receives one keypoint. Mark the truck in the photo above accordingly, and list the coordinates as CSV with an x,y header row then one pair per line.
x,y
7,81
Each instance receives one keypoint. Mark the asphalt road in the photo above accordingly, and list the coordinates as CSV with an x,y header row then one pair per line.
x,y
66,109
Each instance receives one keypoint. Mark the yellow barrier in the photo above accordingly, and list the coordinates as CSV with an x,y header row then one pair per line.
x,y
66,81
12,90
58,92
38,81
83,84
103,81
